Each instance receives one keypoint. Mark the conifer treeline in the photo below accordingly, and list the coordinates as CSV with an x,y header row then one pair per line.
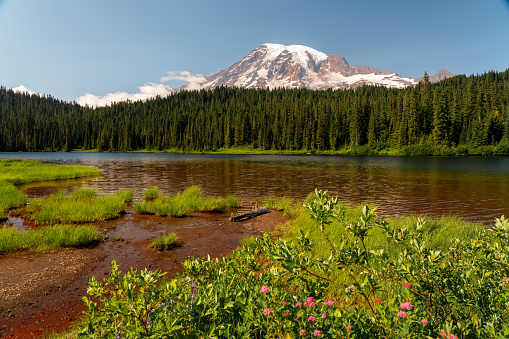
x,y
472,111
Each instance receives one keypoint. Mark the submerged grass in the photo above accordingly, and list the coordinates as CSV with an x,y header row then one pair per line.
x,y
180,204
82,205
165,242
46,238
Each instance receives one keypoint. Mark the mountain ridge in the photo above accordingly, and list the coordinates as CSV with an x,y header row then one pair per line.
x,y
297,66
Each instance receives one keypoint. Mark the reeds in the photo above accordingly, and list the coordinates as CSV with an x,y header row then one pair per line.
x,y
46,238
180,204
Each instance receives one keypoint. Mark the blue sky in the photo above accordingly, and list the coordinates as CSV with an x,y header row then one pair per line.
x,y
68,48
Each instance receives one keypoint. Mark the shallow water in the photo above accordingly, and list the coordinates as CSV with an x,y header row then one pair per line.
x,y
474,188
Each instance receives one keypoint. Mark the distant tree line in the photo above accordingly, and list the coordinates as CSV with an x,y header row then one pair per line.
x,y
470,111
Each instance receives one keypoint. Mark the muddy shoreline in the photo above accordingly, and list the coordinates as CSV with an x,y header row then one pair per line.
x,y
40,294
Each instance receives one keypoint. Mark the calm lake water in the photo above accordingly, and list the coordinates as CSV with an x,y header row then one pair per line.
x,y
474,188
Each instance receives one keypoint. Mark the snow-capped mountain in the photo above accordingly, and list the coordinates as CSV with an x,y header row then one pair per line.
x,y
296,66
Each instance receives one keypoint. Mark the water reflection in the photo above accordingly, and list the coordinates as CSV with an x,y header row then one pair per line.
x,y
473,188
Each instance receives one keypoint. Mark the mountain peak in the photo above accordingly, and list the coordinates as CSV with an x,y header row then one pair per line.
x,y
273,65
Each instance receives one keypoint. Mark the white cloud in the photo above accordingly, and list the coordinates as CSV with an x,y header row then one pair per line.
x,y
194,81
23,89
147,91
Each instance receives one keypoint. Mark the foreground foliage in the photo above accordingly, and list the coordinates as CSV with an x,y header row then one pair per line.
x,y
275,289
180,204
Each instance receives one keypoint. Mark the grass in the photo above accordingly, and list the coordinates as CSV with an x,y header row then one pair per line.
x,y
180,204
165,242
281,204
18,172
15,172
81,206
46,238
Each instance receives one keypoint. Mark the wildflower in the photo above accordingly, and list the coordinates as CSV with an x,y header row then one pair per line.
x,y
286,314
329,303
305,303
402,314
348,328
298,304
324,316
443,334
302,332
392,294
452,336
297,319
267,311
424,321
378,300
312,304
504,280
407,285
264,289
310,299
284,303
311,318
407,306
317,333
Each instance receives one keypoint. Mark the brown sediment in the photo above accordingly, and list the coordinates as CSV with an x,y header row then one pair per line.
x,y
42,293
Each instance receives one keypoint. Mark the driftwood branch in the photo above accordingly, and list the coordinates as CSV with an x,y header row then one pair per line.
x,y
249,215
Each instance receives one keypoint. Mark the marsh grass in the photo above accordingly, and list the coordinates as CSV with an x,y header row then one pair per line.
x,y
166,242
81,206
180,204
18,172
281,204
15,172
46,238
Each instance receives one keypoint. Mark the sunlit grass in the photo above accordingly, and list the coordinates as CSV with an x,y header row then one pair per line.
x,y
46,238
281,204
10,197
165,242
180,204
82,205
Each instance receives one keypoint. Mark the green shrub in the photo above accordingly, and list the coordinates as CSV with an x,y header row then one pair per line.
x,y
151,193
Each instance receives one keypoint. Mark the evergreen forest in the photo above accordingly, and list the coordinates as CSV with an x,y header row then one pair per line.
x,y
460,115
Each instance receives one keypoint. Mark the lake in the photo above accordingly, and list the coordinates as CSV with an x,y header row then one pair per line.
x,y
474,188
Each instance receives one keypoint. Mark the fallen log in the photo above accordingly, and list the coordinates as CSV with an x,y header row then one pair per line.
x,y
249,215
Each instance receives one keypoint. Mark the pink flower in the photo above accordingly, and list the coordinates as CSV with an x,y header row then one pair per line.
x,y
378,300
298,304
317,333
424,321
311,318
264,289
267,311
329,303
284,303
311,304
310,299
392,294
324,316
402,314
407,306
305,303
452,336
348,328
407,285
297,319
443,334
504,280
286,314
302,332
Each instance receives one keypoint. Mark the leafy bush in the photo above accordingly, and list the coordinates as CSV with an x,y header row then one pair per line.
x,y
274,289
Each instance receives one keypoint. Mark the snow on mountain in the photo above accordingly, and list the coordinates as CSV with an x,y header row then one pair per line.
x,y
296,66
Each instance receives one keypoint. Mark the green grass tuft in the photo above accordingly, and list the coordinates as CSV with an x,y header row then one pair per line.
x,y
166,242
46,238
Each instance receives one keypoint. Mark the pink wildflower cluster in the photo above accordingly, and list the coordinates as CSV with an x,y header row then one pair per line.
x,y
267,311
450,336
402,314
407,285
264,289
348,328
424,321
317,333
378,300
329,303
406,306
